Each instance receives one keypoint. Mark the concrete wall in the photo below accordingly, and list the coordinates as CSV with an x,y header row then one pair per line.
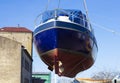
x,y
22,37
10,61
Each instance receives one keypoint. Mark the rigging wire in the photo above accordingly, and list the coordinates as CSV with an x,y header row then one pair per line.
x,y
106,29
102,27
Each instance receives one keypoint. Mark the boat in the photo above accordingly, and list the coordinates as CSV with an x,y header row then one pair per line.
x,y
65,41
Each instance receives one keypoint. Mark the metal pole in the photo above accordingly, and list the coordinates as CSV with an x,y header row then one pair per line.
x,y
55,77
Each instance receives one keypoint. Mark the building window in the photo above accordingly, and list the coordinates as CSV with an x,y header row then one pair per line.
x,y
26,65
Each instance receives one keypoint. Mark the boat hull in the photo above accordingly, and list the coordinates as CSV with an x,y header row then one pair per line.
x,y
73,45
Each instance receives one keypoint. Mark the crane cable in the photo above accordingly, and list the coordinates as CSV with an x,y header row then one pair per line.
x,y
46,8
47,5
86,10
58,4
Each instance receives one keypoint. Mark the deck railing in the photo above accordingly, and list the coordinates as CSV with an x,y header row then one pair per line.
x,y
74,16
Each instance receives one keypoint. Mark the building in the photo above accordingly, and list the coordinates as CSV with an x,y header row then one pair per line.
x,y
38,80
42,77
19,34
26,66
15,58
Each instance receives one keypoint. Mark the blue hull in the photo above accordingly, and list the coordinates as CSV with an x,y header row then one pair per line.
x,y
73,39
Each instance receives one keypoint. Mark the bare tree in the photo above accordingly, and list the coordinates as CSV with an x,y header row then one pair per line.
x,y
104,75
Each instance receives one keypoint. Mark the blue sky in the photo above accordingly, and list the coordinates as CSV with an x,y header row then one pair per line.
x,y
102,12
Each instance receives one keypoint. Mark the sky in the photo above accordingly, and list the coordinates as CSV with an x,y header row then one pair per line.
x,y
104,16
